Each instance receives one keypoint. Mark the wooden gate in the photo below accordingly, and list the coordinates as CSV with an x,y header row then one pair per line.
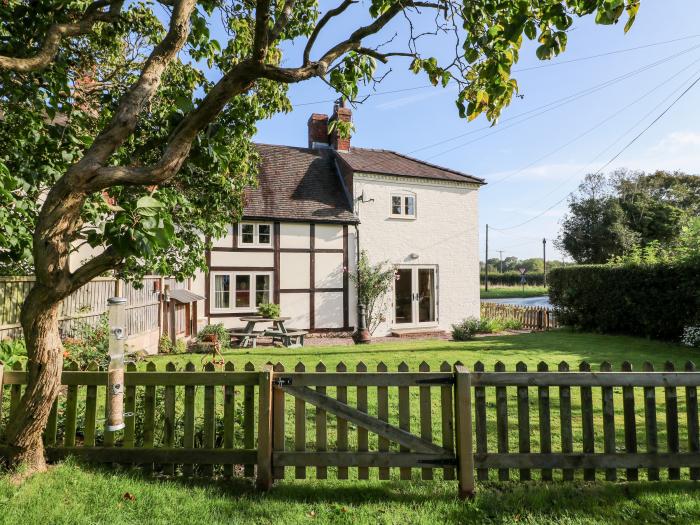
x,y
413,450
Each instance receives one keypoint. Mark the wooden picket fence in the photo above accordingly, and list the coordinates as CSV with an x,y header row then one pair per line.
x,y
259,423
531,317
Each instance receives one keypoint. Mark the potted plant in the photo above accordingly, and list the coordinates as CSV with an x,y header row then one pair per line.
x,y
269,310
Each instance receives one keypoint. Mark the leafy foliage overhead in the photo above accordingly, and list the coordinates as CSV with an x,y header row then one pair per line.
x,y
157,168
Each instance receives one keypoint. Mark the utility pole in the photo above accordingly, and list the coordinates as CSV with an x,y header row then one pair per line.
x,y
486,262
544,261
500,263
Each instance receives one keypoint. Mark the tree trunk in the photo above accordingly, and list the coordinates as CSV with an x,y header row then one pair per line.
x,y
24,431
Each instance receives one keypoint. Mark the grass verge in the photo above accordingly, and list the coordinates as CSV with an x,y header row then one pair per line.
x,y
502,292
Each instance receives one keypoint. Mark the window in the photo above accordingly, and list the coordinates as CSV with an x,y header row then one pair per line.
x,y
222,287
236,291
403,206
252,234
242,291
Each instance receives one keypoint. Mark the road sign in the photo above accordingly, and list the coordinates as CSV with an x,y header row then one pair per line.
x,y
522,271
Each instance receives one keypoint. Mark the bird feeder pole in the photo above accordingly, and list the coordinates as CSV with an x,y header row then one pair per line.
x,y
116,307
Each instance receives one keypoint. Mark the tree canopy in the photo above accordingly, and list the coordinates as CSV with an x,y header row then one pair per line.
x,y
628,212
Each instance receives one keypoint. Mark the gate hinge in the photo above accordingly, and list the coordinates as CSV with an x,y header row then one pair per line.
x,y
447,380
282,381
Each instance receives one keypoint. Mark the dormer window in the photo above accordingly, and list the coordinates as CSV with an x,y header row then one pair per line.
x,y
253,234
403,206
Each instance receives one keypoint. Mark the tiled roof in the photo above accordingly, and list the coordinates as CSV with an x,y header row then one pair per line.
x,y
298,183
391,163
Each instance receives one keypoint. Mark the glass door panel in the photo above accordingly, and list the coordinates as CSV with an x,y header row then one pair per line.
x,y
426,295
403,296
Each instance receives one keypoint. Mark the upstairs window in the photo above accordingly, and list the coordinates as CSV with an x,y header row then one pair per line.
x,y
253,234
403,206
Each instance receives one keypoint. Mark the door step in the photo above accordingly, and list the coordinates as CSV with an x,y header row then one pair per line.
x,y
418,332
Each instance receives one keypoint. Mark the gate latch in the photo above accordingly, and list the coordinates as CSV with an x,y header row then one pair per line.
x,y
282,381
446,380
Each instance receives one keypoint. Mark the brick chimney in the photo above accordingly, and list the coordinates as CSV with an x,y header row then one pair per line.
x,y
318,130
343,114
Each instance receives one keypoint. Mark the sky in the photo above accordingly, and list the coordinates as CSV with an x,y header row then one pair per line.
x,y
576,113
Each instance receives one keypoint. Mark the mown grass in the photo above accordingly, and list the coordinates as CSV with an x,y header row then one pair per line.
x,y
502,292
73,494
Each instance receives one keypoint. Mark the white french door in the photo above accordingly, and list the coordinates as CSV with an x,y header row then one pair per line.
x,y
415,296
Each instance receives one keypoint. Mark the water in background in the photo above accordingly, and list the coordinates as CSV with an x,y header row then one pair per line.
x,y
522,301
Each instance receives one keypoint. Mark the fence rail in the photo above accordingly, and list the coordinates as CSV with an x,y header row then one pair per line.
x,y
531,317
279,423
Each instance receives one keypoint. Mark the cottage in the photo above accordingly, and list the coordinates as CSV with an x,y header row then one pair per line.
x,y
315,206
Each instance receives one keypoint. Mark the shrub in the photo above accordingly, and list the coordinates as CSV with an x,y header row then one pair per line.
x,y
373,282
218,330
90,343
269,310
180,347
12,351
465,330
691,336
655,301
165,345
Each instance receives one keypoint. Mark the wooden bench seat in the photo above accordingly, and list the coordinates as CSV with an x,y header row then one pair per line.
x,y
245,337
293,339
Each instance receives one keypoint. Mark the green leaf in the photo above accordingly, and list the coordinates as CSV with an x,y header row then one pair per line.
x,y
148,202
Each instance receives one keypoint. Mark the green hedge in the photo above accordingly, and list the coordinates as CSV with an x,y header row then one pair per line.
x,y
651,301
513,278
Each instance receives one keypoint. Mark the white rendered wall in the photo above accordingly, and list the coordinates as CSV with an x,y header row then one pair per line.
x,y
295,235
444,233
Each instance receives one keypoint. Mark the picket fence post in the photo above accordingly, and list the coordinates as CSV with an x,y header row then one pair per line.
x,y
463,432
2,388
264,477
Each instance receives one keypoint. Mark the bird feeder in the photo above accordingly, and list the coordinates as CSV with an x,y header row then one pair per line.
x,y
115,371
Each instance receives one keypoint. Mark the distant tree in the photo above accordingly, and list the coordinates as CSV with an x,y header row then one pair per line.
x,y
594,229
657,205
610,216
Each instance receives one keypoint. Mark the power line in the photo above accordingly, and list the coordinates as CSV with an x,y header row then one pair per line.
x,y
523,117
554,105
520,70
668,108
593,128
625,133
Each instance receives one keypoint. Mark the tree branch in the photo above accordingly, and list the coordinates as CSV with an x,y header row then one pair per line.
x,y
93,268
262,20
383,57
134,101
57,32
321,24
282,19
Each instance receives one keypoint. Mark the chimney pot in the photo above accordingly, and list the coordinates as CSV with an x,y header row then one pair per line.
x,y
318,130
340,112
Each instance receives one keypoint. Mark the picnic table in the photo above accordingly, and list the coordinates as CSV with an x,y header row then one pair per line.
x,y
248,335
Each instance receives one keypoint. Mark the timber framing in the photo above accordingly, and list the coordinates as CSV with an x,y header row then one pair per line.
x,y
277,251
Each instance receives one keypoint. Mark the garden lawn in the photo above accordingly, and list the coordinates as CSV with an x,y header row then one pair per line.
x,y
502,292
72,494
551,347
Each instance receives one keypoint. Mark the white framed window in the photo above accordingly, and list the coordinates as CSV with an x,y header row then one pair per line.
x,y
254,235
240,291
403,205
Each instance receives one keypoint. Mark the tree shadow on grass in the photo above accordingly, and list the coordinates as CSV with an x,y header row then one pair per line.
x,y
495,502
